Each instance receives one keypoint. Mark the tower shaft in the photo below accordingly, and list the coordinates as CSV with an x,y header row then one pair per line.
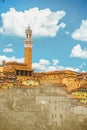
x,y
28,57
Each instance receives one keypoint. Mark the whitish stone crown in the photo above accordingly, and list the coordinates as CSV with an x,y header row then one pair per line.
x,y
28,40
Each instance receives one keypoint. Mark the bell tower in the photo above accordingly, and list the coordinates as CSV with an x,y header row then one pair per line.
x,y
28,48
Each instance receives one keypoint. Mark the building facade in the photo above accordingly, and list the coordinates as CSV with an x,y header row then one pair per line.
x,y
58,107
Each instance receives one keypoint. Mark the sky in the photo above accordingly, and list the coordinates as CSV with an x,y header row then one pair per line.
x,y
59,29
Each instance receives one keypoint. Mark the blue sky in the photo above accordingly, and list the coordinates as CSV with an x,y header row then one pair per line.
x,y
59,33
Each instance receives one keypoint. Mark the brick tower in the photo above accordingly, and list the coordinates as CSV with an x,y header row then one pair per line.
x,y
28,48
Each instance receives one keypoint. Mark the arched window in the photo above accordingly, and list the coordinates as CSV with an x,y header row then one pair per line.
x,y
27,36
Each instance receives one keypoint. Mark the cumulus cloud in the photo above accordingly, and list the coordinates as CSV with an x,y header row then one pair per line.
x,y
55,61
78,52
72,68
42,22
9,45
81,33
13,58
44,62
82,65
8,50
52,66
67,32
39,67
42,65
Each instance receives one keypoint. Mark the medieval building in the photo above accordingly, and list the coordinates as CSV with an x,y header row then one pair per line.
x,y
24,71
20,70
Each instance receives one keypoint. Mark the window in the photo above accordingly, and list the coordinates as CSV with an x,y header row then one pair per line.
x,y
17,72
55,122
49,101
52,116
27,35
55,115
55,101
55,107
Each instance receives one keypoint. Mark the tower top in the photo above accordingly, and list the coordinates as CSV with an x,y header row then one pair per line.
x,y
28,30
28,39
28,27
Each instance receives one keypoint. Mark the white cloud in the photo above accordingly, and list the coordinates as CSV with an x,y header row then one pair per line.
x,y
84,71
42,22
67,32
51,68
55,61
9,45
77,51
8,50
44,62
41,67
81,33
13,58
82,65
72,68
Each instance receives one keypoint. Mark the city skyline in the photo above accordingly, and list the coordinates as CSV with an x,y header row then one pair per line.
x,y
59,33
